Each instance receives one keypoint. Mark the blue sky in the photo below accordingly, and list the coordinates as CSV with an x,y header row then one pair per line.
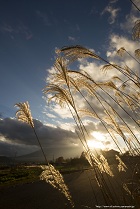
x,y
30,31
29,34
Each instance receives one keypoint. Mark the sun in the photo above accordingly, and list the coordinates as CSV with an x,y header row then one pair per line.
x,y
97,141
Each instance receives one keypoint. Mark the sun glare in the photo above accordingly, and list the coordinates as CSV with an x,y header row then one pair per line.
x,y
97,140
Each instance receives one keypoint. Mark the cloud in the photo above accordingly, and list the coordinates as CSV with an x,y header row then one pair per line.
x,y
137,3
63,112
67,126
50,115
15,134
116,42
44,18
113,1
113,13
8,148
94,70
131,18
19,29
71,38
56,110
23,29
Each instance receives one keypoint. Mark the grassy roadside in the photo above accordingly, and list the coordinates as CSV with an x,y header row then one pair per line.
x,y
26,174
19,175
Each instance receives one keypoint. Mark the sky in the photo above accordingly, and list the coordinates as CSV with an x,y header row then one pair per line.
x,y
30,32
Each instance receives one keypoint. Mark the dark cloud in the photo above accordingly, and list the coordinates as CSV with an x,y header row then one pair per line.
x,y
5,150
16,131
14,149
21,135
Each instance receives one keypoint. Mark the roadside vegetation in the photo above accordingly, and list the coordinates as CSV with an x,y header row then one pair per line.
x,y
17,175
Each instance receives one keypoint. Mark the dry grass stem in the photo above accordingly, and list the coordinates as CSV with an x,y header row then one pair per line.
x,y
24,113
55,179
136,30
50,174
137,53
75,52
104,166
125,187
121,51
121,165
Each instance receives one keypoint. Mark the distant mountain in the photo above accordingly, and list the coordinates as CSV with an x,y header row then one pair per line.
x,y
34,157
51,154
67,152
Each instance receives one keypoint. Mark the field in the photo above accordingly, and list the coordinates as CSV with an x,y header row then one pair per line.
x,y
14,176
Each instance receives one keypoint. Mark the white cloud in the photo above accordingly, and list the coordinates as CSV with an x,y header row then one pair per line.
x,y
18,30
131,18
71,38
116,42
129,24
50,125
137,3
62,112
113,13
94,70
67,126
113,1
50,115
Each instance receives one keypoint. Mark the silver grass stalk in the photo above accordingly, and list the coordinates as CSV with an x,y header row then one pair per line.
x,y
50,174
55,179
121,51
137,53
24,113
72,53
104,166
92,160
75,52
107,67
101,163
136,30
121,165
125,187
134,4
